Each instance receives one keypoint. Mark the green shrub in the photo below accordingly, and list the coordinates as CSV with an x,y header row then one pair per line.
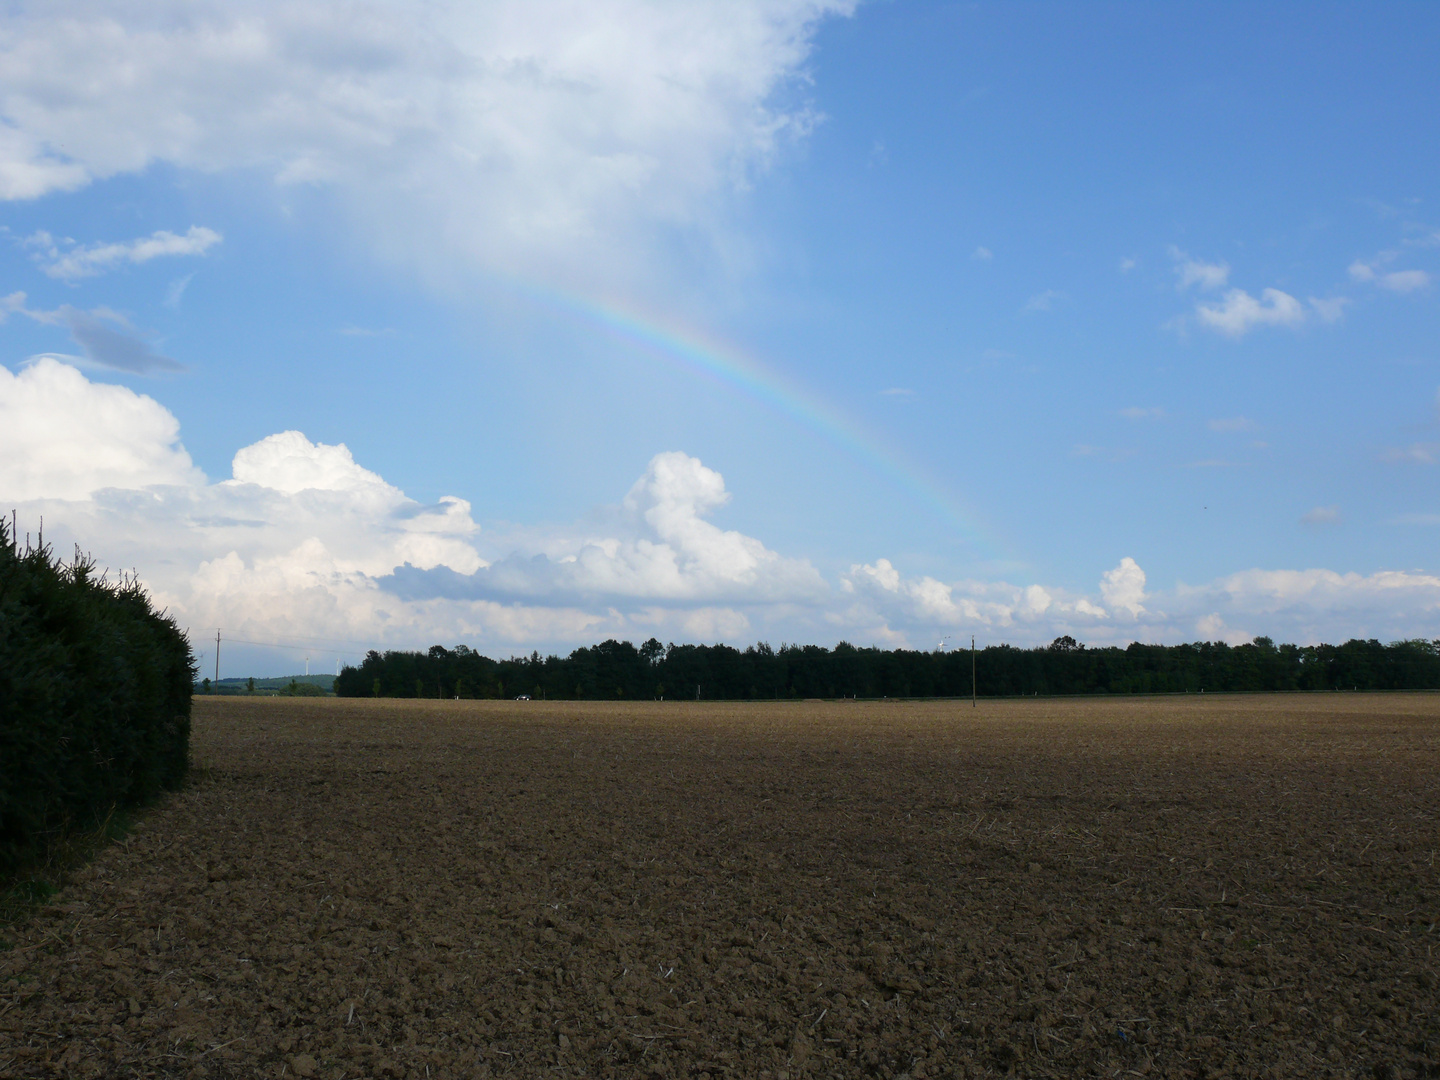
x,y
95,692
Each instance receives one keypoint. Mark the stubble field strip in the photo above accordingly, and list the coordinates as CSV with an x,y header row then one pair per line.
x,y
1164,887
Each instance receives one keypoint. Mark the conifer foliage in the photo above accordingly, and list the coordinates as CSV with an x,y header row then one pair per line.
x,y
94,698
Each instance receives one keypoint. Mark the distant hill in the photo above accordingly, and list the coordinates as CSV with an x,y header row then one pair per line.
x,y
271,687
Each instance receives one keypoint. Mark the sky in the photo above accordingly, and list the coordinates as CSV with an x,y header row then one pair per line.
x,y
525,325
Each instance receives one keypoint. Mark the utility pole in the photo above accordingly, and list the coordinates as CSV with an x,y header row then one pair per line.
x,y
217,660
973,692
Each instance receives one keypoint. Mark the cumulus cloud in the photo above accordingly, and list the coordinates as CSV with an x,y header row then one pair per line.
x,y
1304,606
290,463
1324,593
533,132
68,261
64,437
982,254
1124,587
657,548
1321,515
1238,312
897,608
1212,628
301,540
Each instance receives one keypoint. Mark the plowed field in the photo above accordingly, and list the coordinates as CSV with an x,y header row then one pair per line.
x,y
1236,886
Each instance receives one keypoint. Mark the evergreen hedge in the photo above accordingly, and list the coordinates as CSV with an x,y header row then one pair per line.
x,y
95,692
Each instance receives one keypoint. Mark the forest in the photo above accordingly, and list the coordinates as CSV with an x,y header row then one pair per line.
x,y
619,670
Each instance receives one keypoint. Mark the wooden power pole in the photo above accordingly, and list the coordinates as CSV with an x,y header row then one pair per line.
x,y
973,692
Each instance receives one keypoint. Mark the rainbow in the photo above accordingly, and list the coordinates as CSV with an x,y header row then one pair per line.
x,y
698,354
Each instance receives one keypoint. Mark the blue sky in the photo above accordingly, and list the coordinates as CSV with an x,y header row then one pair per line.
x,y
769,320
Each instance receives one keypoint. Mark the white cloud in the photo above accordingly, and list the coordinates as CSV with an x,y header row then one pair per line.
x,y
63,437
69,261
1321,515
1361,271
1190,271
304,541
1239,312
1210,627
1327,594
897,609
290,463
1124,587
534,134
983,254
1127,264
1136,412
1304,606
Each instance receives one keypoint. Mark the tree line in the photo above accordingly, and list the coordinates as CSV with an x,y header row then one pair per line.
x,y
619,670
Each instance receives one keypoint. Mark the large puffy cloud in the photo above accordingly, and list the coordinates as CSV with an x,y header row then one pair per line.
x,y
898,608
303,541
304,544
657,548
1124,587
64,437
508,132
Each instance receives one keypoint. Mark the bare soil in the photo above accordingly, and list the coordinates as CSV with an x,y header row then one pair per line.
x,y
1178,887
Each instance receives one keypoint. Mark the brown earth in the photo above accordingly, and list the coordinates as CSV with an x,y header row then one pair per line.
x,y
1217,886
